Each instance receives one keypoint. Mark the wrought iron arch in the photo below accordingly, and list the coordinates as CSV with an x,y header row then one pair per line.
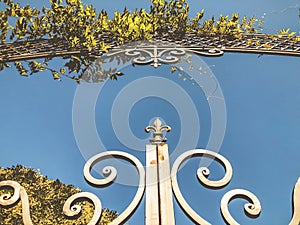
x,y
205,45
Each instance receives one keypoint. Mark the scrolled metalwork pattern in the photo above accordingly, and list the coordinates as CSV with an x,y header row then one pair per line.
x,y
296,204
111,173
19,193
254,43
252,209
140,56
153,52
202,174
74,210
213,52
173,57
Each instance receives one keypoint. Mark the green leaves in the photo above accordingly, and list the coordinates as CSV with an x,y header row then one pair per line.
x,y
46,198
170,18
79,26
36,67
115,75
55,75
74,64
21,68
286,32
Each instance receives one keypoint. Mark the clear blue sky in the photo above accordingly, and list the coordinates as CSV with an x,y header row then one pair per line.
x,y
261,140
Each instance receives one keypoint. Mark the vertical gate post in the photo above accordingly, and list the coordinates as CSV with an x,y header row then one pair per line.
x,y
159,201
165,188
152,205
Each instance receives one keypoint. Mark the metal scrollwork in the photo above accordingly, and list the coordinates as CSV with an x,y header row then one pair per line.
x,y
153,53
111,174
74,210
202,174
296,204
213,52
19,192
140,59
252,209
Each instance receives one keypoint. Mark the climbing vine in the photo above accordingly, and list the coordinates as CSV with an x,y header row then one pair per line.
x,y
80,26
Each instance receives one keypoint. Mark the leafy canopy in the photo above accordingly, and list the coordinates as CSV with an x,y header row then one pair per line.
x,y
46,198
80,26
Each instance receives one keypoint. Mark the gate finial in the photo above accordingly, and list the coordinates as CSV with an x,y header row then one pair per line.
x,y
157,129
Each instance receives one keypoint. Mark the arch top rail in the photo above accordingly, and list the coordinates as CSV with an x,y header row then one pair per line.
x,y
267,44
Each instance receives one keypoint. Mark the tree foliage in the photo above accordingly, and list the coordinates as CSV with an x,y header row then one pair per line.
x,y
46,198
81,26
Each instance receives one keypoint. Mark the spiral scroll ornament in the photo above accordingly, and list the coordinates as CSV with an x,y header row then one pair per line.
x,y
157,52
74,210
202,174
296,204
194,70
19,193
110,174
214,52
154,53
252,209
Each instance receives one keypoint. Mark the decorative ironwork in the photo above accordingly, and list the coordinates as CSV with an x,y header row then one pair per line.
x,y
296,204
162,190
202,175
19,193
153,53
257,44
74,210
68,210
110,174
252,209
205,45
157,129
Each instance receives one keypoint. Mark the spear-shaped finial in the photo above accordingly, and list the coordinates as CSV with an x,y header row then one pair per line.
x,y
157,129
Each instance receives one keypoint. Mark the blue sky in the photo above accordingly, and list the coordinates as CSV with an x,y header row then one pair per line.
x,y
261,140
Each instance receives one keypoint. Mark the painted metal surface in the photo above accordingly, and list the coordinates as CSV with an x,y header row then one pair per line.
x,y
205,45
158,183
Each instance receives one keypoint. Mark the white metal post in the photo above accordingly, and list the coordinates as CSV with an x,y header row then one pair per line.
x,y
159,201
